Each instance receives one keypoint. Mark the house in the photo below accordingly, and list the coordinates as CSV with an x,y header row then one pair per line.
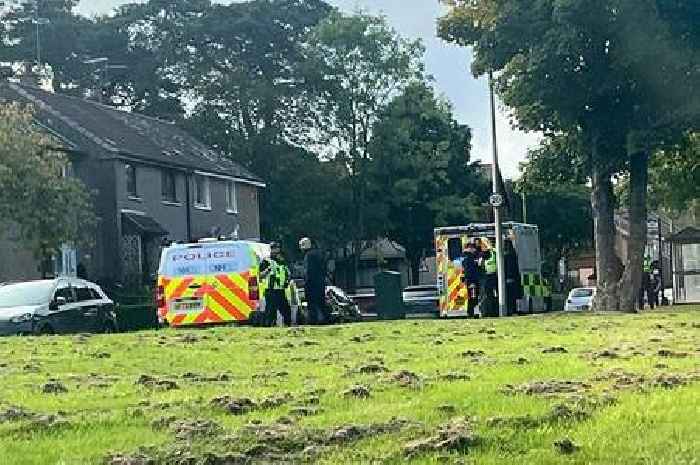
x,y
151,182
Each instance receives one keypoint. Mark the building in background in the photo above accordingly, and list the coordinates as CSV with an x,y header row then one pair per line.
x,y
150,181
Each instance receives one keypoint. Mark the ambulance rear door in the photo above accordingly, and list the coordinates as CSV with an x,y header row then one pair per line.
x,y
452,291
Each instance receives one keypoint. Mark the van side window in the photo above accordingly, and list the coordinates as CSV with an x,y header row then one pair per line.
x,y
454,248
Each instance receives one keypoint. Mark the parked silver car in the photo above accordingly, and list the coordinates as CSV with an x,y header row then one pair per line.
x,y
580,299
62,305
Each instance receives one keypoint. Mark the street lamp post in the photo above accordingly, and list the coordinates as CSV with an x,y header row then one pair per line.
x,y
496,202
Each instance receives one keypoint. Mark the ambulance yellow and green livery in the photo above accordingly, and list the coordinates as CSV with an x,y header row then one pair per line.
x,y
449,247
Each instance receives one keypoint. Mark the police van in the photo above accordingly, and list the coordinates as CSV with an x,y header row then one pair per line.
x,y
450,242
209,282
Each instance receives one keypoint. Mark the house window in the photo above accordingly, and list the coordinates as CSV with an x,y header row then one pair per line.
x,y
131,181
168,189
231,197
202,193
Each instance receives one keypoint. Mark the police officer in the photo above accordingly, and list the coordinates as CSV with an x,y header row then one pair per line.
x,y
275,272
490,280
645,288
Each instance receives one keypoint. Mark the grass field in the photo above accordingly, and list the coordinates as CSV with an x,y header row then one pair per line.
x,y
556,389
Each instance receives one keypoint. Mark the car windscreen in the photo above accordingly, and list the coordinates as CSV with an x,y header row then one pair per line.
x,y
214,259
582,293
25,294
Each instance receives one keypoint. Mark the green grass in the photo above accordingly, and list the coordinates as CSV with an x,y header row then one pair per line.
x,y
106,412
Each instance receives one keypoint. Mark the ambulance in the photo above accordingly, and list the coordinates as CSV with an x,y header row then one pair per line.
x,y
450,242
209,282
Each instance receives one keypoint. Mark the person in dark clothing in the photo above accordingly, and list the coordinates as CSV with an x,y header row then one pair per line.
x,y
488,303
653,290
471,277
514,287
81,272
314,283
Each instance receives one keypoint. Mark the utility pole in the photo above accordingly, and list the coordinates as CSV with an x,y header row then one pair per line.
x,y
39,22
524,207
497,203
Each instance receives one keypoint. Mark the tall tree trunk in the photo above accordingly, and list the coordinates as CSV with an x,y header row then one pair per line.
x,y
608,266
631,282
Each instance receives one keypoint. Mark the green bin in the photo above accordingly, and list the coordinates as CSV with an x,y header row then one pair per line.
x,y
389,296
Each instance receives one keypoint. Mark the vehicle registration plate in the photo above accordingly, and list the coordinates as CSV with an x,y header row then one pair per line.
x,y
187,307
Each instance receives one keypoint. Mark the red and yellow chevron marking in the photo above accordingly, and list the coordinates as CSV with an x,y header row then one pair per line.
x,y
224,298
454,294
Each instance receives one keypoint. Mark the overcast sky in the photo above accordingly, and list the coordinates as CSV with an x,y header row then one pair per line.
x,y
448,64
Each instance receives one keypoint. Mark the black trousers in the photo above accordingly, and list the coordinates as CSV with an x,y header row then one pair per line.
x,y
276,300
645,289
317,310
489,301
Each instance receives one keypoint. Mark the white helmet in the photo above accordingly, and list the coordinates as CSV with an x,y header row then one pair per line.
x,y
305,243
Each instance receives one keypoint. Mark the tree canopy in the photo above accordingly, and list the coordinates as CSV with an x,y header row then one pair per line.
x,y
48,208
618,75
420,165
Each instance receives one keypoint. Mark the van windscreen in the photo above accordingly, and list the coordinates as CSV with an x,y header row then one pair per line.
x,y
222,259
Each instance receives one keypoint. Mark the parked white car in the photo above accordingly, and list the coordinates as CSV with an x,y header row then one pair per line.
x,y
580,299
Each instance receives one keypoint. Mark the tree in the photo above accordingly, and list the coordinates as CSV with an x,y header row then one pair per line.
x,y
581,68
355,66
420,170
49,208
674,175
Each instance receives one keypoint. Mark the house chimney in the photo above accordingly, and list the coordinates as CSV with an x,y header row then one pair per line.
x,y
36,76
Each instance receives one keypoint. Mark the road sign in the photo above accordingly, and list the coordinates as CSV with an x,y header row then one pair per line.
x,y
496,200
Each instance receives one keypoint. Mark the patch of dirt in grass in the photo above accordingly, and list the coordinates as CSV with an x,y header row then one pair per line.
x,y
155,383
555,350
304,411
622,380
574,411
197,378
54,387
551,387
671,353
453,376
186,430
32,421
244,405
371,368
281,442
361,338
606,353
407,379
14,413
359,391
31,368
457,435
566,446
447,409
136,459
